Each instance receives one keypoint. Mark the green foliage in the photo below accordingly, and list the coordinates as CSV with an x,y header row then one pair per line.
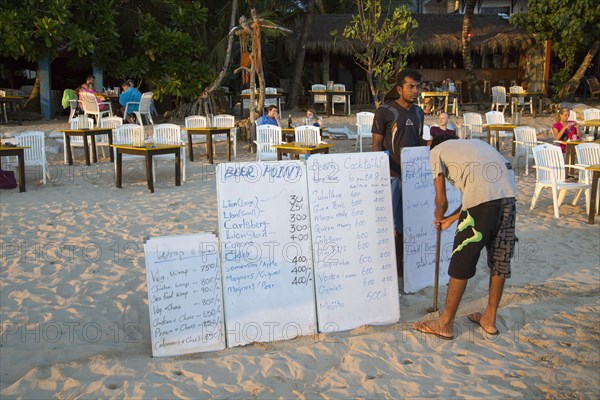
x,y
571,25
384,35
158,42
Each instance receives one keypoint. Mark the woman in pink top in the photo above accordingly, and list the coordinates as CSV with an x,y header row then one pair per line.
x,y
564,129
88,86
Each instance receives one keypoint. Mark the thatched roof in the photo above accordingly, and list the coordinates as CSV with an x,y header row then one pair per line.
x,y
436,34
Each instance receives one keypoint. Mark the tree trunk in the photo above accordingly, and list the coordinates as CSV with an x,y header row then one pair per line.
x,y
567,92
33,103
217,82
471,80
296,84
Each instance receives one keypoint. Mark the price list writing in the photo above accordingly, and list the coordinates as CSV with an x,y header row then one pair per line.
x,y
419,231
184,294
352,229
266,254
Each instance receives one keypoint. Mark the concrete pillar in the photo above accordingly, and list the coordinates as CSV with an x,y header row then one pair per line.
x,y
45,89
99,74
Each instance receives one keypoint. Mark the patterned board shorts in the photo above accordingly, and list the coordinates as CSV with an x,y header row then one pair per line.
x,y
490,225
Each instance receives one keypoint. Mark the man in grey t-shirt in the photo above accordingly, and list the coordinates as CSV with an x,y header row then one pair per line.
x,y
486,219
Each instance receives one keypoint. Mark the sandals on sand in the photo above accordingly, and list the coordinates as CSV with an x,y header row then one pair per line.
x,y
421,327
476,319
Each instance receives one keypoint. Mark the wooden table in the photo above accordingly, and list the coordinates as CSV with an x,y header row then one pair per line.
x,y
589,124
277,96
114,102
85,133
208,132
300,148
17,101
148,151
514,98
497,128
435,95
594,193
329,99
20,153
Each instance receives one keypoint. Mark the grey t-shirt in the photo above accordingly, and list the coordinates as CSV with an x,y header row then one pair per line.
x,y
476,169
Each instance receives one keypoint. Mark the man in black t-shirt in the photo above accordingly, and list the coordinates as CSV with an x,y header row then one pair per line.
x,y
398,124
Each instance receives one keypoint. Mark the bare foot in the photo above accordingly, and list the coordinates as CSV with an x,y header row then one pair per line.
x,y
487,327
433,328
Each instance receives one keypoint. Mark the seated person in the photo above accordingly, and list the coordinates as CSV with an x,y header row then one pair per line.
x,y
564,129
88,87
129,94
443,128
313,119
427,101
270,118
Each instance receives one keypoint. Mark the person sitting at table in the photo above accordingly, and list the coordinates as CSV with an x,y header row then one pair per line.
x,y
427,101
270,118
564,129
443,128
88,87
313,119
129,94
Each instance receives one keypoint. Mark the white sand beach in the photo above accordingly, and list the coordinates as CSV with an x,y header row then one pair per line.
x,y
75,323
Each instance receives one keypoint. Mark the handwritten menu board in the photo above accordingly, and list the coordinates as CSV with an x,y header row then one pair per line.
x,y
353,236
184,294
420,236
266,251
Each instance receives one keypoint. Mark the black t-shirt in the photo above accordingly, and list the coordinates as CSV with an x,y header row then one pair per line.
x,y
400,128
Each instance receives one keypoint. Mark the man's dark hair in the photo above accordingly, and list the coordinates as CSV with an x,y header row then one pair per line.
x,y
271,107
411,73
441,139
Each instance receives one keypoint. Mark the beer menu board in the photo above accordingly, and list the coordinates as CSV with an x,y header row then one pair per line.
x,y
264,231
184,294
353,240
418,199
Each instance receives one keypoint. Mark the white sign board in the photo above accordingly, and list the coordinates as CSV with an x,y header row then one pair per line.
x,y
353,239
418,201
184,294
266,251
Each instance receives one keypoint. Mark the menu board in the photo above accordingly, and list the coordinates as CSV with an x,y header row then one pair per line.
x,y
266,251
353,236
184,294
418,199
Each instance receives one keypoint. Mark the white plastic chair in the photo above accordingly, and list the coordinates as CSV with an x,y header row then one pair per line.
x,y
196,121
476,123
145,108
102,140
340,99
307,134
76,141
266,137
36,153
499,98
550,168
270,102
591,113
90,106
127,134
520,100
73,104
319,98
364,125
168,134
525,140
588,154
496,117
572,115
225,121
246,102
